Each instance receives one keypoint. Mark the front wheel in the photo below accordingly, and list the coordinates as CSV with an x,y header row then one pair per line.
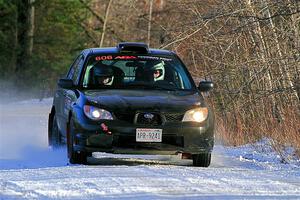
x,y
74,156
202,160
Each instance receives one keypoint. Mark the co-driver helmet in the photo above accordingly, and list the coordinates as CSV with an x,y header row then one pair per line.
x,y
155,70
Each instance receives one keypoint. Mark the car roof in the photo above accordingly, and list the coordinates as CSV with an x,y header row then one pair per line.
x,y
115,50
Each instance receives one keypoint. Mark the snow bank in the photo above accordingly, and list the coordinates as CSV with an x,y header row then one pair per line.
x,y
259,155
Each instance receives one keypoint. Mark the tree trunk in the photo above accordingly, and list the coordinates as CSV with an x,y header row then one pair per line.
x,y
263,53
105,21
295,27
284,72
149,21
25,25
31,12
15,44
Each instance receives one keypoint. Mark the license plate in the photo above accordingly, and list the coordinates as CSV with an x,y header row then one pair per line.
x,y
148,135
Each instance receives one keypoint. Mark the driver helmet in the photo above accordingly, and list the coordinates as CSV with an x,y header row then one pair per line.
x,y
156,70
103,74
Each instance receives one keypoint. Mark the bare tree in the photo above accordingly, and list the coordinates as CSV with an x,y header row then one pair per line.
x,y
149,22
105,22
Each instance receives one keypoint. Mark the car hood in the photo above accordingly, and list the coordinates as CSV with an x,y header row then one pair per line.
x,y
154,100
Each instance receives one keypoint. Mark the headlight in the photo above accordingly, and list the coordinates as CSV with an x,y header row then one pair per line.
x,y
196,115
95,113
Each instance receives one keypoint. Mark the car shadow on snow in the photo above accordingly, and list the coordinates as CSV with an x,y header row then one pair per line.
x,y
134,160
33,158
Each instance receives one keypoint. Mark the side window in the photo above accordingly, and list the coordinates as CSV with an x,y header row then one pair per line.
x,y
71,71
75,70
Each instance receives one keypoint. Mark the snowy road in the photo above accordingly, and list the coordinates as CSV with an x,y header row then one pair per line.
x,y
29,170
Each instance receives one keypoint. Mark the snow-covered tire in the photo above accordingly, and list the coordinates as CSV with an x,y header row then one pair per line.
x,y
74,156
202,160
78,158
55,139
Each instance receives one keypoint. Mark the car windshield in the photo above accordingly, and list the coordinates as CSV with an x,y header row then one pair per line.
x,y
135,72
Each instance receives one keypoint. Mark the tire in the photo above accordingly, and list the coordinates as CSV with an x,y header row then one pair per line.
x,y
74,156
202,160
55,138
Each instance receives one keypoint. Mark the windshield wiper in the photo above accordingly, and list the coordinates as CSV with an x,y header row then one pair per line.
x,y
160,87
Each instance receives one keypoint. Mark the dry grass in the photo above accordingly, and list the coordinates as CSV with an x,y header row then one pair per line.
x,y
236,130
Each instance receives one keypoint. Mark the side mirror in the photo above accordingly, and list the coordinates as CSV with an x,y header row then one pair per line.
x,y
65,83
205,86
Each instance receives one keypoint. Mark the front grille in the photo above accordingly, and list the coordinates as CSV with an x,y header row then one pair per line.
x,y
156,120
128,117
152,119
173,117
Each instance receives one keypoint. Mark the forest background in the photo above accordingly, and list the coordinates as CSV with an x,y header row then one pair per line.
x,y
250,49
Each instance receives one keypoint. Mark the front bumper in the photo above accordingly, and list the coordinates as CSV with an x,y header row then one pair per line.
x,y
120,136
182,137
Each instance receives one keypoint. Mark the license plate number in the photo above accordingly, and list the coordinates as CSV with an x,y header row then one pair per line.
x,y
148,135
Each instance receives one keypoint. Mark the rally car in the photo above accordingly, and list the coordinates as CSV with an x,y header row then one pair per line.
x,y
131,99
